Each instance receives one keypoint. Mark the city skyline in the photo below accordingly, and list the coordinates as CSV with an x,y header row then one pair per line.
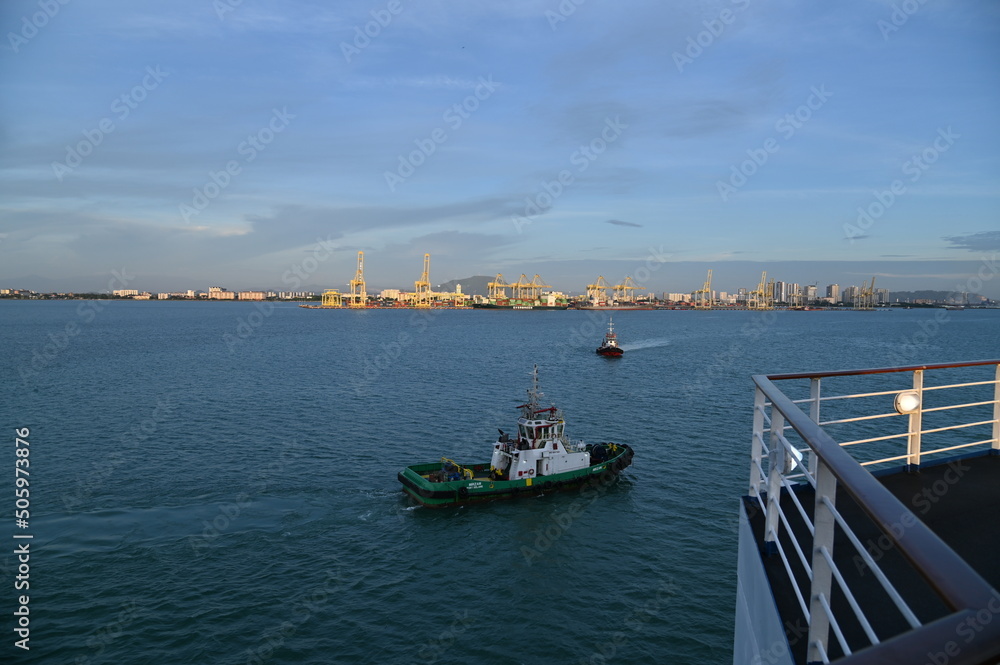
x,y
227,142
121,279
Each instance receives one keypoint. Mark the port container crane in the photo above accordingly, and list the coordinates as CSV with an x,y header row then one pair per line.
x,y
625,291
359,297
598,291
498,288
422,287
703,296
762,296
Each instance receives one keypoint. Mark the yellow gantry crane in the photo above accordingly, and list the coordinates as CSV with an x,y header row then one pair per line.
x,y
422,287
533,289
865,298
703,296
763,296
521,289
333,298
598,291
358,296
525,289
624,291
537,285
498,288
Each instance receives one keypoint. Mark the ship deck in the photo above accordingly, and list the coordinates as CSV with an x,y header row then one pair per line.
x,y
957,499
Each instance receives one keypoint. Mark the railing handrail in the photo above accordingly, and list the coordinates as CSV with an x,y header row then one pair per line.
x,y
954,580
880,370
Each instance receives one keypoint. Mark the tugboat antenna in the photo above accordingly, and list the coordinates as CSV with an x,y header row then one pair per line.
x,y
533,394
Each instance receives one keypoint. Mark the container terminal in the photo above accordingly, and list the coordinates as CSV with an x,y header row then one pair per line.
x,y
535,294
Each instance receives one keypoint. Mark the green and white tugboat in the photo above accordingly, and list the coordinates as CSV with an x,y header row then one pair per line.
x,y
539,459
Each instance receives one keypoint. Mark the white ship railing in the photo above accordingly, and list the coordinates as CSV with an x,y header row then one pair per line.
x,y
830,467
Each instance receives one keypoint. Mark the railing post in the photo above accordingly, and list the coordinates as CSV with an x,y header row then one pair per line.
x,y
822,575
776,465
996,411
814,414
913,440
756,447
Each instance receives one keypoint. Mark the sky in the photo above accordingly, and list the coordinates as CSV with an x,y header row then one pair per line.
x,y
261,145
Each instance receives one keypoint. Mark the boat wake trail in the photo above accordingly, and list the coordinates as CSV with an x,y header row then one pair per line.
x,y
646,344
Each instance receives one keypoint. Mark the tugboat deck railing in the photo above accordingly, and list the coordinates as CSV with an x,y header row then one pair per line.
x,y
779,469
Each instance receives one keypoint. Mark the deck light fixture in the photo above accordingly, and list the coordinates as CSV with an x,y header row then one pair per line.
x,y
907,401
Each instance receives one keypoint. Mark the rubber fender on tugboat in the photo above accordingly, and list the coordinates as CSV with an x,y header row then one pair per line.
x,y
463,492
549,485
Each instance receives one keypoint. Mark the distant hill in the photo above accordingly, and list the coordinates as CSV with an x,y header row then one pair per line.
x,y
473,286
936,296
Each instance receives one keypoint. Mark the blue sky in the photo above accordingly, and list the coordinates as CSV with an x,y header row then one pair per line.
x,y
198,142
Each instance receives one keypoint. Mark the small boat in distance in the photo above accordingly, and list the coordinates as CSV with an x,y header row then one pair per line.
x,y
609,347
539,459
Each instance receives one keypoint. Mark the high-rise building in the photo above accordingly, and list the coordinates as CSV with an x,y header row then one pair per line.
x,y
793,294
780,292
833,291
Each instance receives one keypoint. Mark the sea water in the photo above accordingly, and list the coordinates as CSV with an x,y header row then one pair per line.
x,y
216,482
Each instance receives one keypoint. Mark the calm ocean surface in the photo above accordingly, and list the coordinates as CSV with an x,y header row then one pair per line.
x,y
216,482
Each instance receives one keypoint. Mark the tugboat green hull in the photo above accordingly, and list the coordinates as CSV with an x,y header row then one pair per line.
x,y
480,488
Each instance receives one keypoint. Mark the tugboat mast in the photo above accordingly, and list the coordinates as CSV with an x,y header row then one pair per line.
x,y
533,395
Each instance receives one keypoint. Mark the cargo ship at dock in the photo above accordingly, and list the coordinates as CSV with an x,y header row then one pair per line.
x,y
525,294
519,304
624,307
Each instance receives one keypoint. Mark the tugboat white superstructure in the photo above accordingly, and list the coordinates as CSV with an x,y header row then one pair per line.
x,y
538,458
541,448
609,347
